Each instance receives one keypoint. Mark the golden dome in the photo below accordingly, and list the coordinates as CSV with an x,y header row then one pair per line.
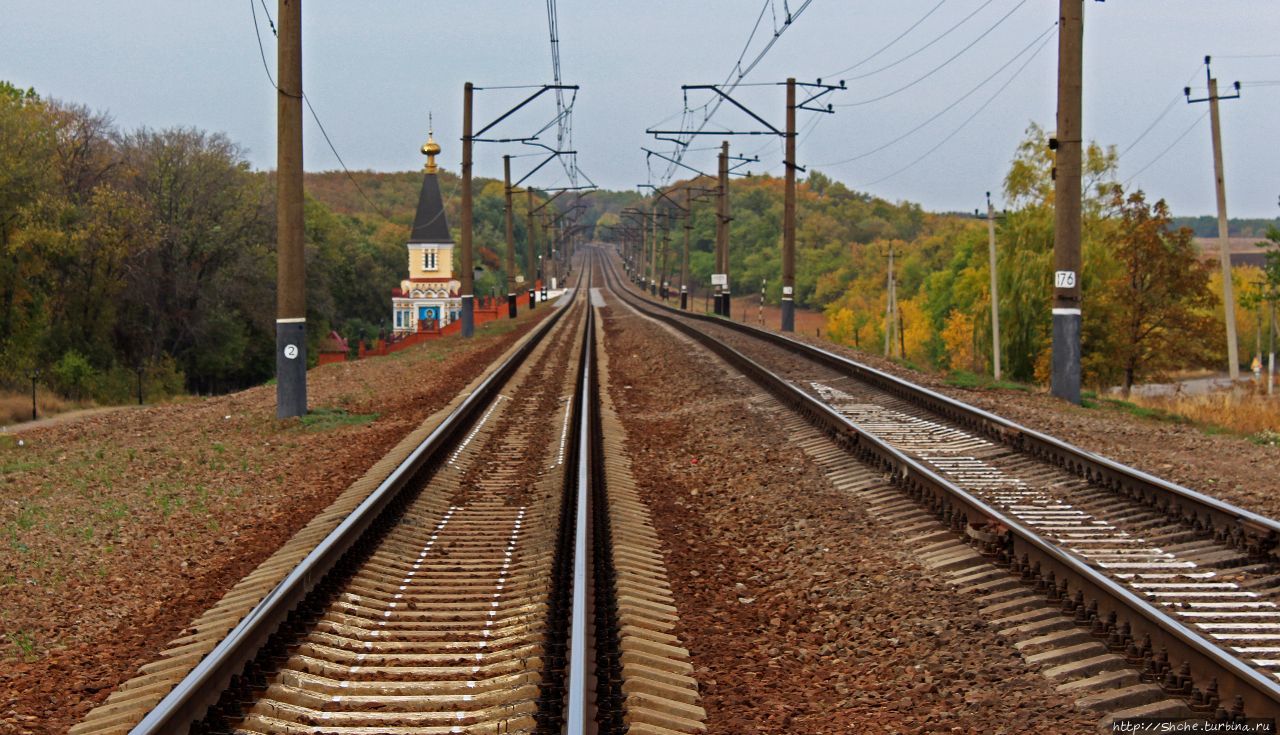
x,y
431,149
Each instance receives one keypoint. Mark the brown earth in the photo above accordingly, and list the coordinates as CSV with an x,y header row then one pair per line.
x,y
119,528
801,614
746,309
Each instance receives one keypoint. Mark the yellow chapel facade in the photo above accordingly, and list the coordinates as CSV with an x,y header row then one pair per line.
x,y
428,299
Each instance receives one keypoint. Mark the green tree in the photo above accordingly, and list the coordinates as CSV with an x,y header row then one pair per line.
x,y
1160,293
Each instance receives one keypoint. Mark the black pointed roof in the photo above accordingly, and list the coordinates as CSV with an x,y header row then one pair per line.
x,y
429,224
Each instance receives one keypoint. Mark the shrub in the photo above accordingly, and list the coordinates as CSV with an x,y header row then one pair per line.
x,y
71,374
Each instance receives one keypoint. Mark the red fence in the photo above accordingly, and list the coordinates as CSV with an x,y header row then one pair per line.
x,y
486,310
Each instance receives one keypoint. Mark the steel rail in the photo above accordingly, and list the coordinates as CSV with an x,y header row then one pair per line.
x,y
1260,694
1247,529
201,688
578,716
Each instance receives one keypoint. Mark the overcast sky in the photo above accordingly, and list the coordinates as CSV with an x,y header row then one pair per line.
x,y
373,71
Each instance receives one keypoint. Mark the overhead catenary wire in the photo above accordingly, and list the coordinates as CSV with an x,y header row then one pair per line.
x,y
732,81
564,118
939,67
314,116
967,120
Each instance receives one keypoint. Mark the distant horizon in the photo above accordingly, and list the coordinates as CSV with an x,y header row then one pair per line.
x,y
800,178
933,117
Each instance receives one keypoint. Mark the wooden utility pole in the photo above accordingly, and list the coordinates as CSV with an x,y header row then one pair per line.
x,y
789,216
1224,243
1065,380
291,278
684,259
466,289
531,267
995,293
511,240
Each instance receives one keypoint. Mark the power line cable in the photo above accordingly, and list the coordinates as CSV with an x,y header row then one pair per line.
x,y
888,45
967,120
949,107
324,133
1169,147
1172,103
943,35
939,67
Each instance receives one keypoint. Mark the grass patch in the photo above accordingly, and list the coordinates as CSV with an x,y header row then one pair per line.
x,y
15,406
972,381
325,419
25,643
18,465
1265,438
1249,416
963,379
1134,409
1245,413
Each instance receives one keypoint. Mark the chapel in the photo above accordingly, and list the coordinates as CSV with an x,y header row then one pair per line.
x,y
428,299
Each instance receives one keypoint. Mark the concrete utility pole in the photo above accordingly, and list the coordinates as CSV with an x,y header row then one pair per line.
x,y
1065,380
653,250
665,279
995,294
789,216
1224,243
531,269
642,259
890,310
511,240
466,289
291,277
684,260
722,232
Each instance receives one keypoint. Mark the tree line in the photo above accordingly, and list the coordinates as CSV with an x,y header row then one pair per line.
x,y
148,256
1152,304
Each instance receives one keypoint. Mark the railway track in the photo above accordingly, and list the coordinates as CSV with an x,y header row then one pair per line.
x,y
1183,587
501,580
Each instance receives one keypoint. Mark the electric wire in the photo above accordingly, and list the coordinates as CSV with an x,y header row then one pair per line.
x,y
324,133
944,34
949,107
1169,147
1161,116
967,120
928,45
732,80
939,67
507,86
890,44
